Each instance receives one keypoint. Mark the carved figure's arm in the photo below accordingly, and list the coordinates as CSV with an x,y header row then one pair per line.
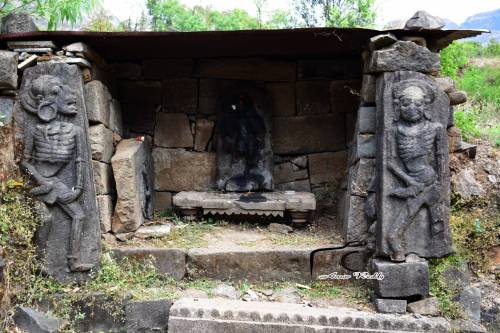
x,y
441,149
397,171
79,161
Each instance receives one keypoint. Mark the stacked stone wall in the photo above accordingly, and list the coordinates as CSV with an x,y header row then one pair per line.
x,y
174,102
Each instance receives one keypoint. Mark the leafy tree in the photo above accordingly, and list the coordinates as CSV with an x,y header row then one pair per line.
x,y
282,19
54,11
100,20
335,13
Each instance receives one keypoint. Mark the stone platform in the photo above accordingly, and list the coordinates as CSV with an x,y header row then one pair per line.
x,y
298,204
189,315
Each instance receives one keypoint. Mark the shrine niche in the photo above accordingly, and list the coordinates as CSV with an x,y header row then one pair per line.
x,y
56,158
243,140
413,200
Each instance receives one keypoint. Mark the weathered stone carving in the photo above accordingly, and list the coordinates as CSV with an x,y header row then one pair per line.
x,y
243,136
56,157
413,207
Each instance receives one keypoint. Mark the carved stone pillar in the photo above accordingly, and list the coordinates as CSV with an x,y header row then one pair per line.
x,y
52,125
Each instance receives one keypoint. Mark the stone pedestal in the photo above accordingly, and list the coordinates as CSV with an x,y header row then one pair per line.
x,y
401,280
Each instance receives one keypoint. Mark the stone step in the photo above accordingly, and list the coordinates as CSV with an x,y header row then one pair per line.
x,y
189,315
253,265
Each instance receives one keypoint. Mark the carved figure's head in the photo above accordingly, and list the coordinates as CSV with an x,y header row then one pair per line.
x,y
47,97
412,99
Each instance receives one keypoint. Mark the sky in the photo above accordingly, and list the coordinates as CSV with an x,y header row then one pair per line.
x,y
387,10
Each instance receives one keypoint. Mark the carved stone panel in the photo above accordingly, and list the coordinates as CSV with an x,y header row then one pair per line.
x,y
412,167
53,125
243,139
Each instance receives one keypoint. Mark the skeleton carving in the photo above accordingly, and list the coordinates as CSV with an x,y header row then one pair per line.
x,y
420,147
56,144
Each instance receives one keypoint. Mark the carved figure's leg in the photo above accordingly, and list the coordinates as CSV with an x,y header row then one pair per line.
x,y
402,222
75,211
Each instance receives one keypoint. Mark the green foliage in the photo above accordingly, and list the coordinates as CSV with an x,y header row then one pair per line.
x,y
336,13
466,121
453,58
55,11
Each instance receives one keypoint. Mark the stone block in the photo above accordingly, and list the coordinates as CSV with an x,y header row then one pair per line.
x,y
209,92
446,84
263,265
283,98
133,170
457,97
167,68
105,205
115,117
180,170
355,220
180,96
153,231
470,300
367,121
365,146
203,315
173,131
163,200
386,305
298,186
101,143
97,102
140,92
203,134
8,167
327,167
139,117
454,139
83,50
246,69
126,70
103,178
18,22
147,316
427,307
404,56
313,97
31,320
401,279
423,20
337,69
318,133
165,260
368,89
381,41
361,176
285,173
345,96
8,74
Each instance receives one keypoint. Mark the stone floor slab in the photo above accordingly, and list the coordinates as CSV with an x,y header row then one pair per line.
x,y
214,316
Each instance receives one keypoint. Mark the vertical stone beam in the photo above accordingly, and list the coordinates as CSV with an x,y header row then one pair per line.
x,y
412,167
57,158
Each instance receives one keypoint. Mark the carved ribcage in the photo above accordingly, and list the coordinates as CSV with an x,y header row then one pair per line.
x,y
54,142
412,145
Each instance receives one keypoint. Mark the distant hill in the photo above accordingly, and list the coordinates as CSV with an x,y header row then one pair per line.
x,y
487,20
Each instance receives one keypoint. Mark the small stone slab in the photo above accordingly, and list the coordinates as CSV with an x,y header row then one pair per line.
x,y
105,205
33,321
88,53
97,102
427,307
168,261
153,231
8,74
401,280
147,316
386,305
189,315
133,170
26,44
470,299
265,203
103,178
381,41
101,143
404,55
